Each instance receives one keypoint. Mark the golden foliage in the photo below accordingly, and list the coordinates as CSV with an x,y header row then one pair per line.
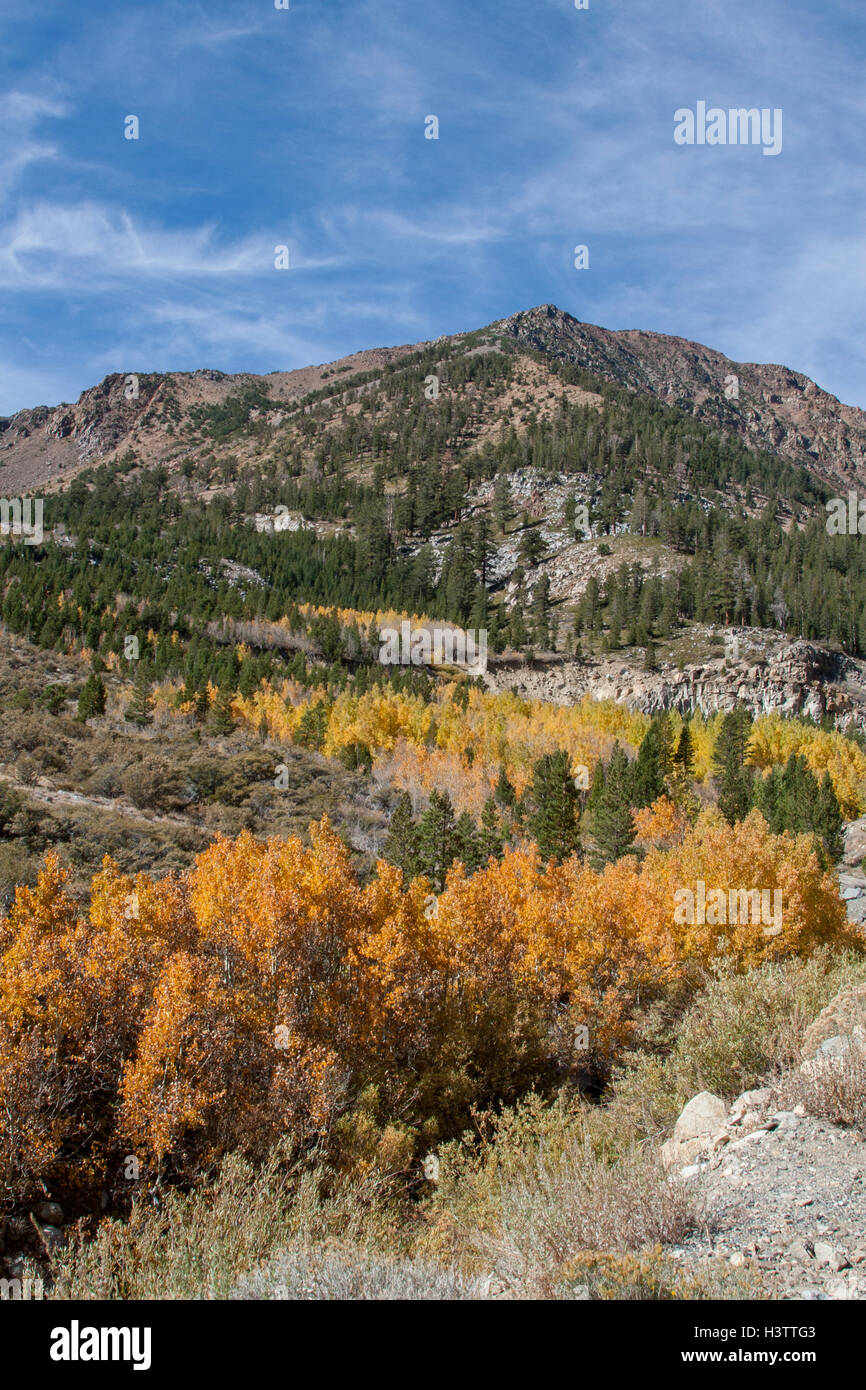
x,y
266,994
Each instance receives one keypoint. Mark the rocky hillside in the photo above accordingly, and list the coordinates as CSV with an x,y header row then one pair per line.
x,y
42,446
603,499
782,1172
770,407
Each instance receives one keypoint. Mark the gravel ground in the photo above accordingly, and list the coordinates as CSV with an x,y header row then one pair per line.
x,y
790,1202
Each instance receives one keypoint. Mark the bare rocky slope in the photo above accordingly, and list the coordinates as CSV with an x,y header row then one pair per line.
x,y
784,1195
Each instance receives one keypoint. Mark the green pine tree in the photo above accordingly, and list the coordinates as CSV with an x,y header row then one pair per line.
x,y
437,839
139,709
401,846
613,826
735,782
828,819
504,793
491,839
91,701
653,763
596,789
768,799
219,719
684,757
555,820
683,770
467,849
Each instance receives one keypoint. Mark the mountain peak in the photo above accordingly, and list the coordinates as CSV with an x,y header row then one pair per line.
x,y
768,407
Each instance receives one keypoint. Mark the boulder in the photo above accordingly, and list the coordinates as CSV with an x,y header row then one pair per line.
x,y
703,1116
855,842
698,1124
751,1102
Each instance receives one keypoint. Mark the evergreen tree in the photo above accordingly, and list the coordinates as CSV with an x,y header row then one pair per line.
x,y
502,502
311,731
490,837
91,701
596,788
220,720
799,795
828,819
504,793
540,612
653,763
467,848
532,546
683,770
437,839
555,822
139,709
613,826
733,739
791,798
684,757
401,846
736,787
768,799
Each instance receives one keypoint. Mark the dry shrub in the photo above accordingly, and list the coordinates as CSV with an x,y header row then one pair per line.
x,y
354,1275
540,1188
651,1275
201,1244
833,1089
551,1210
738,1031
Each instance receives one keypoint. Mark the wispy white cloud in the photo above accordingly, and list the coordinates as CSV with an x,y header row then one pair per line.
x,y
20,146
87,247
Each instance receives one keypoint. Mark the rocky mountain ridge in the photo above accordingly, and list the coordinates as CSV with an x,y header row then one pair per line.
x,y
769,407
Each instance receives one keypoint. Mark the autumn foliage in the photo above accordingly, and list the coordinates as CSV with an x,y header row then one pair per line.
x,y
268,996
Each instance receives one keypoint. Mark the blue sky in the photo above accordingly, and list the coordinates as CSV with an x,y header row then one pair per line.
x,y
305,127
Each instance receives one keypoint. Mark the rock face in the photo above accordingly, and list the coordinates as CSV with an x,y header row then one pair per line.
x,y
775,408
855,843
777,676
